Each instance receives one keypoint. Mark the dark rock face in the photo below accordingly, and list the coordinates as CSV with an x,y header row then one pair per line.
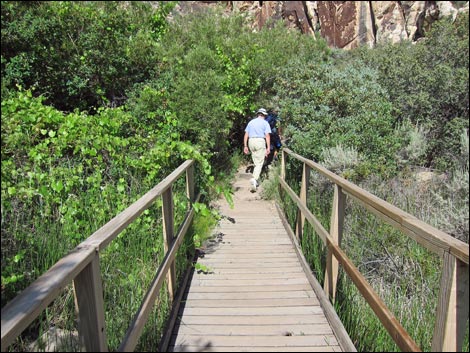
x,y
338,22
343,24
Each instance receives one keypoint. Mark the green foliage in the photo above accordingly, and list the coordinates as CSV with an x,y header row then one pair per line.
x,y
326,105
187,90
428,85
414,144
56,166
79,54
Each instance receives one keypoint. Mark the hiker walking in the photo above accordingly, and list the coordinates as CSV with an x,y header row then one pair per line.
x,y
276,144
257,141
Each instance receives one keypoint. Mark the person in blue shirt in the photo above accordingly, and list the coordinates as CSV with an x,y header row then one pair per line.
x,y
257,140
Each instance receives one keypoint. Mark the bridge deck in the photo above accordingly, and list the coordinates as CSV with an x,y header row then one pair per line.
x,y
254,295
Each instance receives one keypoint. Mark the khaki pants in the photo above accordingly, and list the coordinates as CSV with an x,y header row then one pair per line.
x,y
258,152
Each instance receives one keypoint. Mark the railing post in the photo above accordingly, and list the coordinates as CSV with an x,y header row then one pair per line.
x,y
283,164
88,291
190,183
168,237
336,233
453,307
303,198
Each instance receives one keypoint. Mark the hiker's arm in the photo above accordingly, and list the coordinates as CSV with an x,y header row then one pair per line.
x,y
268,143
245,143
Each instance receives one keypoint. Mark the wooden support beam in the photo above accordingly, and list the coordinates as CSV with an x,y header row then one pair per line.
x,y
88,291
336,234
453,307
168,235
303,199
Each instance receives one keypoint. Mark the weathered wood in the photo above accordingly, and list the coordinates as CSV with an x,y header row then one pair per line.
x,y
303,199
232,320
251,289
453,306
336,234
425,234
452,294
186,348
322,233
341,334
165,340
248,303
265,330
168,237
190,183
321,340
90,307
191,295
23,309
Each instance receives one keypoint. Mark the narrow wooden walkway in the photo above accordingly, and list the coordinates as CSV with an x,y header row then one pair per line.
x,y
255,295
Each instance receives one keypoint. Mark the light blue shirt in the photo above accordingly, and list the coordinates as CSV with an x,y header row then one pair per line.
x,y
258,127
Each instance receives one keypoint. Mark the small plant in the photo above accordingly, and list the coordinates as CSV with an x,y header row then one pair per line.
x,y
339,159
202,268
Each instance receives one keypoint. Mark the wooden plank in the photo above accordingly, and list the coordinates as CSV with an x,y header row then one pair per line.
x,y
186,348
285,319
250,295
287,310
238,303
244,289
280,329
246,276
249,282
258,270
241,257
266,240
250,262
241,250
256,341
329,312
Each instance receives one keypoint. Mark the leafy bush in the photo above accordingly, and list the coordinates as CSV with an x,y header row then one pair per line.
x,y
414,144
325,105
79,54
339,159
428,85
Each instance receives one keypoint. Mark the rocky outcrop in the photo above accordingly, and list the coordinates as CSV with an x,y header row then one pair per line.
x,y
346,24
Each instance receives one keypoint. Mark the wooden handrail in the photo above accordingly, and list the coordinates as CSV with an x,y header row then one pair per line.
x,y
453,307
81,266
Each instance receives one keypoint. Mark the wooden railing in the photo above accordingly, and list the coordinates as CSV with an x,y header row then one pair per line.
x,y
82,267
453,304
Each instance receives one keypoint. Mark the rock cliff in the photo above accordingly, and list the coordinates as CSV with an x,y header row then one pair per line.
x,y
344,24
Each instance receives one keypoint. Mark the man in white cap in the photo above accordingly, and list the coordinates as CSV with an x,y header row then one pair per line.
x,y
257,141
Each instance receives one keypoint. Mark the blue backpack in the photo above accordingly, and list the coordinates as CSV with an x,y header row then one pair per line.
x,y
275,139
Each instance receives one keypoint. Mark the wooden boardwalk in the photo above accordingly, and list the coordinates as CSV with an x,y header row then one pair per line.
x,y
254,295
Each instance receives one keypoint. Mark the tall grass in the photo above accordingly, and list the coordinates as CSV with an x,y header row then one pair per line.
x,y
128,265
